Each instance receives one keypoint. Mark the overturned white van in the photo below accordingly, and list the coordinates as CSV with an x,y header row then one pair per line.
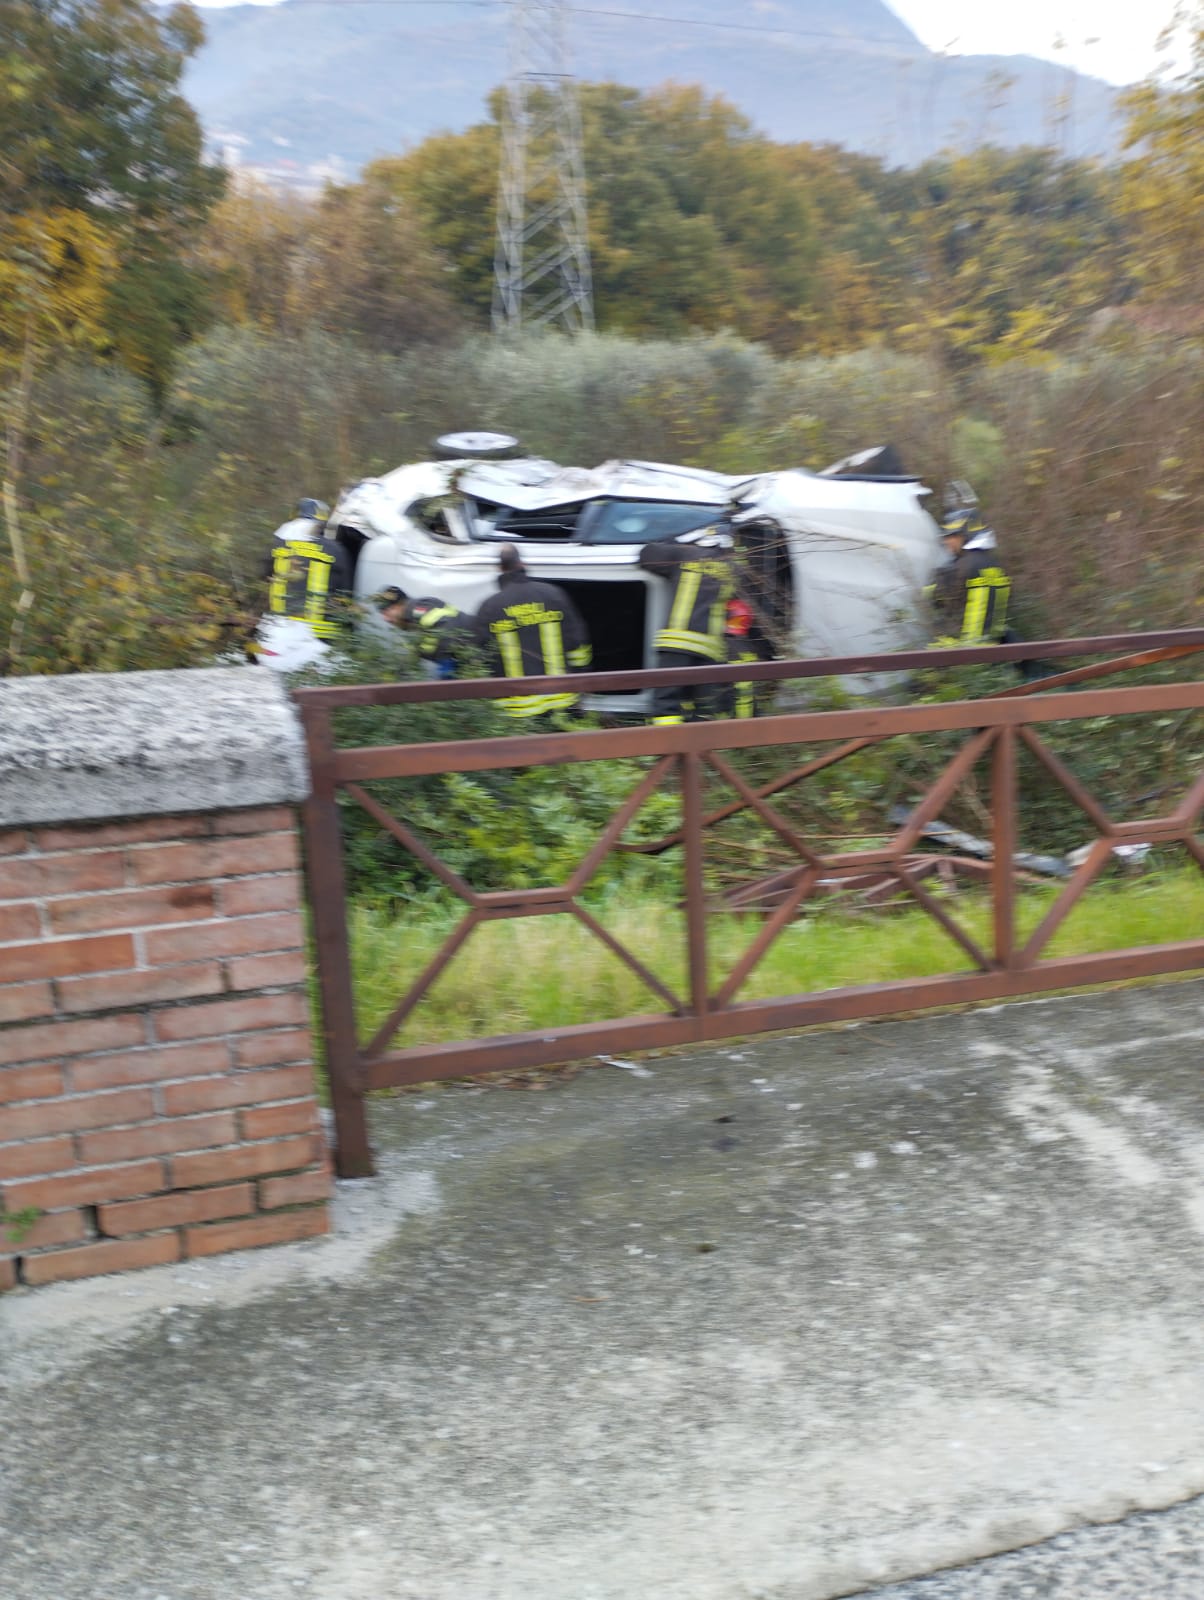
x,y
836,561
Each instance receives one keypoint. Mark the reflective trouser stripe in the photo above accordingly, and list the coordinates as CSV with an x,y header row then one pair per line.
x,y
531,705
666,722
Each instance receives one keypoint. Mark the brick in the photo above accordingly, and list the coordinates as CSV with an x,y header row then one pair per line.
x,y
235,1089
105,1255
22,1002
174,1210
274,1122
280,892
249,1161
140,988
133,908
75,1037
66,958
298,1188
35,877
18,922
271,1122
266,972
160,1138
274,1049
230,1016
30,1083
258,819
212,858
93,835
35,1158
13,841
283,1228
53,1227
75,1113
8,1275
231,936
150,1066
86,1188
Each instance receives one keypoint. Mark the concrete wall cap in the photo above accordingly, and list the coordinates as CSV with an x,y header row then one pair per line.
x,y
90,747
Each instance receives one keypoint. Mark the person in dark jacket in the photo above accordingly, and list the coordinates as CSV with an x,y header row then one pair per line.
x,y
698,567
971,593
444,635
531,629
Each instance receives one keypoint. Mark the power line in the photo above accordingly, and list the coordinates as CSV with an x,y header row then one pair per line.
x,y
632,16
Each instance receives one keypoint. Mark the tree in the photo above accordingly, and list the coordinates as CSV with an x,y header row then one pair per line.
x,y
1163,182
92,125
694,222
102,186
1009,251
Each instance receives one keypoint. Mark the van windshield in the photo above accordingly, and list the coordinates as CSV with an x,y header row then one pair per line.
x,y
641,521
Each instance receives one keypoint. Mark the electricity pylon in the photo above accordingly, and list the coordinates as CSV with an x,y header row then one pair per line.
x,y
541,267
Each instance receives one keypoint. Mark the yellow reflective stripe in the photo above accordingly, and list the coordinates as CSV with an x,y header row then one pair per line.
x,y
512,653
282,560
530,705
317,585
551,642
666,722
688,585
975,617
581,656
692,644
746,693
438,615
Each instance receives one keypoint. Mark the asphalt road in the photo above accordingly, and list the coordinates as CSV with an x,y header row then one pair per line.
x,y
781,1321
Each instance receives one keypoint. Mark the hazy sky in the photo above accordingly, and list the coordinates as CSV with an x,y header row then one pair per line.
x,y
1114,39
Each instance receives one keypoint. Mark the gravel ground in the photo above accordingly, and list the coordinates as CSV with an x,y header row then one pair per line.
x,y
1157,1556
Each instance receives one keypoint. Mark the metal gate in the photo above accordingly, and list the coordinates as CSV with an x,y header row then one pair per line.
x,y
685,757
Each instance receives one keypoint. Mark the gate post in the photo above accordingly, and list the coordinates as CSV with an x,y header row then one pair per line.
x,y
696,911
1004,834
328,904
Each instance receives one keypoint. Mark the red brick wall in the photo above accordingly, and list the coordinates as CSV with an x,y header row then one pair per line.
x,y
156,1086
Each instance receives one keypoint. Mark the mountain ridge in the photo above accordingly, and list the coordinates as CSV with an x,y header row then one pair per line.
x,y
324,88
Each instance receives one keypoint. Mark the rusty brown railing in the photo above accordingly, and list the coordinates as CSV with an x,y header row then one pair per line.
x,y
996,727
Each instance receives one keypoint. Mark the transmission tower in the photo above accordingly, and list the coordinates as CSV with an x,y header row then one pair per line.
x,y
541,267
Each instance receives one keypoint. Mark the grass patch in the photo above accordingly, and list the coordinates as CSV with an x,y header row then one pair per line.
x,y
551,972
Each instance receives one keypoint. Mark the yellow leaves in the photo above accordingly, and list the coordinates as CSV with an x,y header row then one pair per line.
x,y
55,271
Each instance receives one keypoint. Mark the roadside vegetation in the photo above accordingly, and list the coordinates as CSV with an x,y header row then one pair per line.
x,y
518,976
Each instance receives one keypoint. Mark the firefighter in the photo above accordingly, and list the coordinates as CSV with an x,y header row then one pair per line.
x,y
531,629
443,633
745,642
971,593
308,573
698,566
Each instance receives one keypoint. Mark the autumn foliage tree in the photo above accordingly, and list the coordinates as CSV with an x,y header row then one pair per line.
x,y
1164,179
